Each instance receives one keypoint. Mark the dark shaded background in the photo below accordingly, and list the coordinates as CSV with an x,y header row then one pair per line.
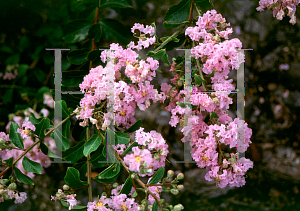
x,y
271,107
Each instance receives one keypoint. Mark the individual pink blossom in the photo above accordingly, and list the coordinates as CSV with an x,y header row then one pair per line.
x,y
138,158
48,100
28,126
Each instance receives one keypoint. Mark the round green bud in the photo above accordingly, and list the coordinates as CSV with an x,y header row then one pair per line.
x,y
174,191
12,186
170,174
4,181
115,185
104,194
178,207
2,141
6,197
150,207
66,187
141,208
156,157
180,187
180,176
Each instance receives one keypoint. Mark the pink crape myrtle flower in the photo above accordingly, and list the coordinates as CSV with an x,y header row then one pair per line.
x,y
138,158
28,126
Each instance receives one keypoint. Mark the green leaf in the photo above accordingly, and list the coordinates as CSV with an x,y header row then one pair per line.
x,y
204,4
134,127
22,69
158,55
14,136
128,150
107,180
62,143
22,177
46,151
157,176
34,120
41,127
76,207
198,79
76,31
214,115
82,136
110,171
78,57
115,31
73,154
165,59
181,104
93,55
8,96
127,186
155,206
95,32
123,138
31,166
170,25
113,3
9,161
92,144
73,78
179,12
82,168
64,110
72,178
98,156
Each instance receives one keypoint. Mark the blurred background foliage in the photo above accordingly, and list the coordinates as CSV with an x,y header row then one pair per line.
x,y
271,84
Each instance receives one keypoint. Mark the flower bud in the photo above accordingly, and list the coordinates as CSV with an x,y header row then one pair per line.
x,y
115,185
216,101
134,176
179,83
6,197
170,174
1,191
66,187
178,207
2,141
141,208
12,186
174,191
4,181
180,176
104,194
180,187
150,207
156,157
1,186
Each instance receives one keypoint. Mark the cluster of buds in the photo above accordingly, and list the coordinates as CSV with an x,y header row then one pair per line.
x,y
66,195
5,144
8,191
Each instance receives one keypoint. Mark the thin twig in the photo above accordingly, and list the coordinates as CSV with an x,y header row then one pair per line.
x,y
89,170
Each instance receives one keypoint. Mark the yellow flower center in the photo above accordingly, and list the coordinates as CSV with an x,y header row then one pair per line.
x,y
144,93
99,204
122,113
124,207
207,23
26,131
138,158
205,158
127,62
218,178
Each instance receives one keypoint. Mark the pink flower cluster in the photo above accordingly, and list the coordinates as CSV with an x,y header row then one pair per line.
x,y
280,8
152,155
35,154
19,197
143,40
69,198
122,96
207,135
210,21
11,72
116,202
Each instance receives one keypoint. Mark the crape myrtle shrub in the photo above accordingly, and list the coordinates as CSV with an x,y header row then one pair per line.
x,y
27,141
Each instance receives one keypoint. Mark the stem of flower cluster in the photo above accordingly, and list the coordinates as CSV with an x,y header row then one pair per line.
x,y
35,143
89,170
169,39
